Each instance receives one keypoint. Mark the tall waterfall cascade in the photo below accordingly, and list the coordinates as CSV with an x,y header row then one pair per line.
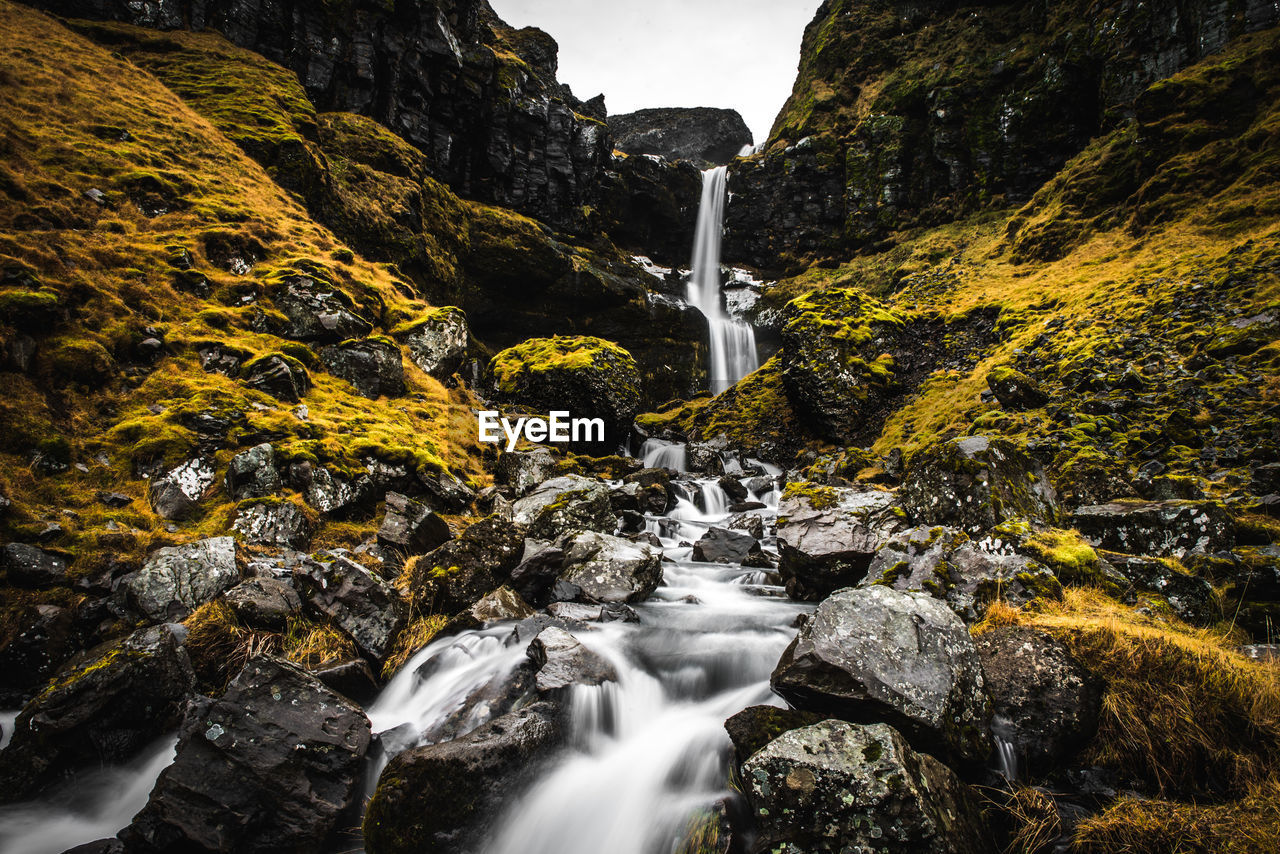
x,y
732,341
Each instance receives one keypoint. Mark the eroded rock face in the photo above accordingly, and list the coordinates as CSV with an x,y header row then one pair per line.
x,y
704,136
828,535
975,483
438,797
848,661
606,569
835,787
437,343
1163,528
178,579
102,709
967,575
357,601
1045,703
268,767
563,504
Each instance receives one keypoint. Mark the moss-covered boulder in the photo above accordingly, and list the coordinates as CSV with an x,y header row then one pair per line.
x,y
587,377
755,726
1015,390
437,341
1162,528
459,572
975,483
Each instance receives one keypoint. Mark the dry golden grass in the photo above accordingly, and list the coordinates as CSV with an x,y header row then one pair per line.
x,y
1031,815
415,636
317,645
220,646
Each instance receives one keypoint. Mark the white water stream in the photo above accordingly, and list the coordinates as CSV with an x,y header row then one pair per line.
x,y
732,342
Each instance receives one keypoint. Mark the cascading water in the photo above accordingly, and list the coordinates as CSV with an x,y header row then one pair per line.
x,y
733,342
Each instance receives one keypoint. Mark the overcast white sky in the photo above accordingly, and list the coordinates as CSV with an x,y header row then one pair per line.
x,y
740,54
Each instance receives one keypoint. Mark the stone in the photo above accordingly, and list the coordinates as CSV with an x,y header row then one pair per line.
x,y
176,580
441,797
755,726
564,504
522,471
104,707
1046,704
967,575
537,574
836,787
252,474
411,528
562,660
282,377
352,679
333,495
273,523
176,494
720,545
501,605
373,365
1160,528
1015,390
827,536
29,566
43,638
582,612
848,661
318,312
360,603
703,136
609,569
1192,598
450,578
264,603
268,767
437,343
975,483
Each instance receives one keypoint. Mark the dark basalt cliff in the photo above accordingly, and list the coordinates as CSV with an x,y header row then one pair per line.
x,y
910,114
702,135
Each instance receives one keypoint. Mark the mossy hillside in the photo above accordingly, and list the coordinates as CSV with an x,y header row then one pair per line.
x,y
119,273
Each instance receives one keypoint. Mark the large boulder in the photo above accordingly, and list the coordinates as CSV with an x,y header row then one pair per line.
x,y
101,708
562,660
589,378
360,603
437,341
1164,528
44,636
269,767
318,312
755,726
524,470
501,605
603,568
175,495
563,504
836,787
442,797
458,573
176,580
828,535
253,474
1015,390
975,483
720,545
282,377
968,575
410,527
30,566
904,658
1046,703
704,136
273,522
372,365
264,603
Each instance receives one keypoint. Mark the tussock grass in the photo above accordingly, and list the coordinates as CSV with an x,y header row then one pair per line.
x,y
219,645
315,645
416,635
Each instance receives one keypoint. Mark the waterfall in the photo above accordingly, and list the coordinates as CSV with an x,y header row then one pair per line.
x,y
733,342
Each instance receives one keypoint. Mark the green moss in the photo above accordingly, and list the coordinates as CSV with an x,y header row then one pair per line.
x,y
560,353
1065,552
819,497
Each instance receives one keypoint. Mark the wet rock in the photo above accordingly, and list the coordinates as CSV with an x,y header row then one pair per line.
x,y
253,474
847,661
755,726
282,377
704,136
360,603
1192,598
318,312
437,343
839,787
703,458
537,573
525,470
719,545
411,528
273,523
609,569
498,606
442,797
583,613
975,483
176,580
175,495
102,708
459,572
372,365
563,504
28,566
1157,527
269,767
1015,390
264,603
828,535
562,660
1046,703
352,679
44,636
966,575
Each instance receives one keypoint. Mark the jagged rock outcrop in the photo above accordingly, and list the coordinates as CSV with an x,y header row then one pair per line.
x,y
704,136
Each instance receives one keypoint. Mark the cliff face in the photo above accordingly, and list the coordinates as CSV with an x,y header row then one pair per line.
x,y
909,114
479,98
702,135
